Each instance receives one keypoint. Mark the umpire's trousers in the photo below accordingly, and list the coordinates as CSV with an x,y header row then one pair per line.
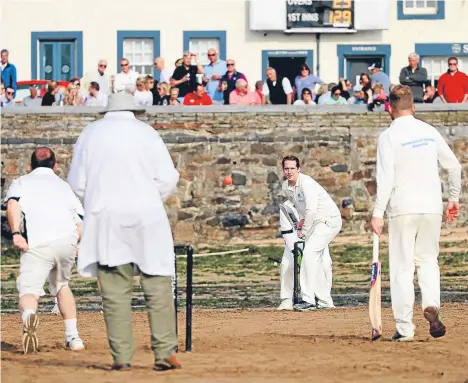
x,y
116,290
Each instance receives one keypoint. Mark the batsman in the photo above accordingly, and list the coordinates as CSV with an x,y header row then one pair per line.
x,y
409,190
320,222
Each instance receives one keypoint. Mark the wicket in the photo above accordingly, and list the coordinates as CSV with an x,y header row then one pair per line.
x,y
187,249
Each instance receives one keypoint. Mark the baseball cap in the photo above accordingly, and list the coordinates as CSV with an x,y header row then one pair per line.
x,y
375,65
357,88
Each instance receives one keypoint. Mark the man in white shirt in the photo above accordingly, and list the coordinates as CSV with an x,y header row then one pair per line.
x,y
409,190
126,77
33,99
123,172
45,219
165,73
98,76
278,89
96,97
289,224
320,223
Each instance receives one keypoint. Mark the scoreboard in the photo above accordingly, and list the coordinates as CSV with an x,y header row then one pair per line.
x,y
332,15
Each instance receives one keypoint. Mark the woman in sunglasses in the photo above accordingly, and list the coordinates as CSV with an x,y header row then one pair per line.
x,y
306,98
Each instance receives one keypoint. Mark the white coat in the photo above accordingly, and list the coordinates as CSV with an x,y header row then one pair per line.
x,y
123,172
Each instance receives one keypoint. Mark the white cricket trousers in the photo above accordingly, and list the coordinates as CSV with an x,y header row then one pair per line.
x,y
413,243
287,272
316,267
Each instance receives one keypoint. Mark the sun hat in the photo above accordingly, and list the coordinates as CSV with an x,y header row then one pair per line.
x,y
121,102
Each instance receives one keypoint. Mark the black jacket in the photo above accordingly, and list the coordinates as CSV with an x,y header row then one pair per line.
x,y
415,81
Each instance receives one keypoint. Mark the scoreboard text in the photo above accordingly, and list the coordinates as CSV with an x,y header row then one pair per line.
x,y
332,14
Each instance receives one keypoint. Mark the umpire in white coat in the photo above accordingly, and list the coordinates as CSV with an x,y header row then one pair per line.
x,y
408,189
123,173
289,222
321,223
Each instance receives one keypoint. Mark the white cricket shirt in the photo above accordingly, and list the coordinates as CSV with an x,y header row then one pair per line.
x,y
50,208
311,200
408,180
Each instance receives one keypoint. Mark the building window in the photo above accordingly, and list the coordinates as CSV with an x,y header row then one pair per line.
x,y
140,54
200,41
201,47
436,66
420,7
140,48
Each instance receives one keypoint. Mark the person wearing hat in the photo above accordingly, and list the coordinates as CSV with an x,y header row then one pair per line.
x,y
123,173
377,76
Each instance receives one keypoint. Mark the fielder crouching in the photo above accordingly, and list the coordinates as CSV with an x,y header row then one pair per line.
x,y
409,190
45,220
321,223
289,222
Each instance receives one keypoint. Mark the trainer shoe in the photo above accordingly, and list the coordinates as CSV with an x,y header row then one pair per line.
x,y
29,339
121,366
397,337
436,327
304,306
286,304
170,363
76,344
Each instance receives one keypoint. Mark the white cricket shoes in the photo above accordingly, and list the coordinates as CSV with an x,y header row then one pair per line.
x,y
76,344
286,304
29,338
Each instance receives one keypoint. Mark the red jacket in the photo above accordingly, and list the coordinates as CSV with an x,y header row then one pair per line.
x,y
453,87
193,99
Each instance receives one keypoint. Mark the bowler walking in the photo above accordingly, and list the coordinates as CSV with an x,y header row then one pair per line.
x,y
409,190
123,172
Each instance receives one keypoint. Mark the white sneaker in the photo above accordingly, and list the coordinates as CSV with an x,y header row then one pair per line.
x,y
286,304
76,344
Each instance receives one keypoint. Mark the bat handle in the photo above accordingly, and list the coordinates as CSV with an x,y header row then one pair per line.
x,y
375,248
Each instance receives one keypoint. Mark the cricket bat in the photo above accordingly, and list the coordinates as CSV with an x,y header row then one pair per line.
x,y
375,295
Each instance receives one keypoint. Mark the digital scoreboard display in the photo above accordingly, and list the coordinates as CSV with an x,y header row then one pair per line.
x,y
318,14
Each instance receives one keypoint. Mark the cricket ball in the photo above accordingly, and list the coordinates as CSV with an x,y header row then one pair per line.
x,y
228,180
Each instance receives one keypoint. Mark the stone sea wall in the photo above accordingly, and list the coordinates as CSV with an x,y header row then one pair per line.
x,y
337,146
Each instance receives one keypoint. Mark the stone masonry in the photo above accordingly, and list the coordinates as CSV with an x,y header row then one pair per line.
x,y
337,146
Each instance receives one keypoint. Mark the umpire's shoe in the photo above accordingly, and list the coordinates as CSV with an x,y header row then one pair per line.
x,y
304,306
170,363
286,304
436,327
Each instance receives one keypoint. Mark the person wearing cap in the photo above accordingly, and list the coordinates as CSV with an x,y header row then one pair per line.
x,y
377,76
358,96
289,225
123,173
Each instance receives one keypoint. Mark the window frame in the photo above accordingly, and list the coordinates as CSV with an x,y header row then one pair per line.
x,y
220,35
154,35
421,13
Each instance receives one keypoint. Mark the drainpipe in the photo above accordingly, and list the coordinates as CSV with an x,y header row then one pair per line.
x,y
317,36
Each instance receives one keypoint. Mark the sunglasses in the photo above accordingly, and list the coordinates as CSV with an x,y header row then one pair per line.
x,y
102,66
10,93
306,93
452,63
230,64
336,94
124,64
211,54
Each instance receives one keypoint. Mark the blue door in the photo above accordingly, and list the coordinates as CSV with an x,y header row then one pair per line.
x,y
57,60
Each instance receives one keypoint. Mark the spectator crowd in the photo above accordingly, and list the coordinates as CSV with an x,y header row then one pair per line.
x,y
219,82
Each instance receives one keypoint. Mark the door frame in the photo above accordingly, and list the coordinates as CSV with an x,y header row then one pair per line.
x,y
348,63
74,36
345,51
266,54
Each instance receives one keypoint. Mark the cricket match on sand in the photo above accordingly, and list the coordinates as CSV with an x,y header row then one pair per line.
x,y
234,191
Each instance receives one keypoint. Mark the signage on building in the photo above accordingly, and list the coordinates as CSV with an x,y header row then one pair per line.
x,y
459,48
321,15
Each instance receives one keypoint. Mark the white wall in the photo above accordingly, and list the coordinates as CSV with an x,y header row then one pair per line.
x,y
100,19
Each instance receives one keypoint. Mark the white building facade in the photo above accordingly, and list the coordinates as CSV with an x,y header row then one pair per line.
x,y
61,39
